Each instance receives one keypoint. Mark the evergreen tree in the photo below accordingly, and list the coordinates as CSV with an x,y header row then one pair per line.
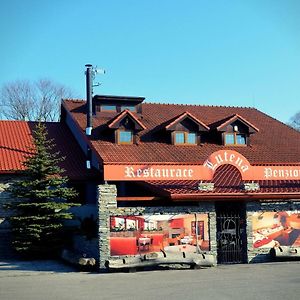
x,y
41,206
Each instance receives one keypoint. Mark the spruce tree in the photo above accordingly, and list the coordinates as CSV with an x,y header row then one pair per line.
x,y
41,205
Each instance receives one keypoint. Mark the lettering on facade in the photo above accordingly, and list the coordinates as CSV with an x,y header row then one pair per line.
x,y
151,172
201,172
227,158
273,173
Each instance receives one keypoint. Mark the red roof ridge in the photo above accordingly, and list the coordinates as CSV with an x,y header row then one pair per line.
x,y
14,121
200,105
180,104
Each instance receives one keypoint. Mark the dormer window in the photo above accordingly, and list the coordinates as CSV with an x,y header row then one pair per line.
x,y
185,138
235,139
235,130
185,129
125,127
125,136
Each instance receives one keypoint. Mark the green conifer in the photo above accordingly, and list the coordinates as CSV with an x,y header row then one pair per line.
x,y
41,206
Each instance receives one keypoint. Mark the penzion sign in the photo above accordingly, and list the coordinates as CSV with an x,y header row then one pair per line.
x,y
146,172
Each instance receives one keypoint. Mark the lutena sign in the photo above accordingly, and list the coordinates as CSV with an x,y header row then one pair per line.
x,y
206,171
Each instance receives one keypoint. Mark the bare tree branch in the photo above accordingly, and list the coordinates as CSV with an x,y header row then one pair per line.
x,y
40,100
295,121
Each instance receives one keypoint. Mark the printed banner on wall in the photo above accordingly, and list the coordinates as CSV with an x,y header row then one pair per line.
x,y
132,235
276,229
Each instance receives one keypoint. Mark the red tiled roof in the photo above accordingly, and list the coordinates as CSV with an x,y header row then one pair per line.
x,y
16,139
275,143
227,180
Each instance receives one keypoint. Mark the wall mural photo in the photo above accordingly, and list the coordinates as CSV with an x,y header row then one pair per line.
x,y
276,229
133,235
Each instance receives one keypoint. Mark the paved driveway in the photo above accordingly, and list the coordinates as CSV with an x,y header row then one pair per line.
x,y
13,268
52,280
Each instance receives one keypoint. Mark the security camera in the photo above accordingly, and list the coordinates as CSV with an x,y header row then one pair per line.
x,y
99,71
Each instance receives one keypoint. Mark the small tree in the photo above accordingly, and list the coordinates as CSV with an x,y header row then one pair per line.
x,y
41,207
295,121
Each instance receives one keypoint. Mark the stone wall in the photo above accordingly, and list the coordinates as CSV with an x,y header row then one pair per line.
x,y
5,235
107,206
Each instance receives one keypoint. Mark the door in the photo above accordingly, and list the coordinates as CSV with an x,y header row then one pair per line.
x,y
231,233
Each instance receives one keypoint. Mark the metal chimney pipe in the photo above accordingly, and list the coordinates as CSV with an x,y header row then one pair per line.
x,y
89,97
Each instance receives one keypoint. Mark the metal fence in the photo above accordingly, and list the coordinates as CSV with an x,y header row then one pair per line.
x,y
230,238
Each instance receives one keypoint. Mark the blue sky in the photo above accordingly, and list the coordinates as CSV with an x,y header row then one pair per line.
x,y
213,52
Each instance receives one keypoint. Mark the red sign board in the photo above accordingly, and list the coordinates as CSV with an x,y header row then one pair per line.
x,y
147,172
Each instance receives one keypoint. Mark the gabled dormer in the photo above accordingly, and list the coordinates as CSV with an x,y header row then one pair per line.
x,y
235,130
185,129
125,127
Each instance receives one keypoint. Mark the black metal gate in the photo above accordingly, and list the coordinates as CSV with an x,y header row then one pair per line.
x,y
230,237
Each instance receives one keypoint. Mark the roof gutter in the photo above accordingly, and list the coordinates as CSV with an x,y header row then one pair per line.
x,y
223,196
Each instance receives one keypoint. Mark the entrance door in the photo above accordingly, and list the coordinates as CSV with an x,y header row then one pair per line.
x,y
231,233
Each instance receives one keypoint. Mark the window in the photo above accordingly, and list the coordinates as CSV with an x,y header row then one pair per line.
x,y
185,138
241,139
191,138
179,137
229,139
235,139
125,137
108,108
128,107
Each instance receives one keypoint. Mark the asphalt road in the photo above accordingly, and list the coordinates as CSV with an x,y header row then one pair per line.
x,y
52,280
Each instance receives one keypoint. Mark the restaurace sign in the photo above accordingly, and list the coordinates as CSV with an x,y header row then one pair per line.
x,y
147,172
159,172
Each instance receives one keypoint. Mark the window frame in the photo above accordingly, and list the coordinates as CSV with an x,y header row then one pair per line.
x,y
119,137
110,110
235,134
185,136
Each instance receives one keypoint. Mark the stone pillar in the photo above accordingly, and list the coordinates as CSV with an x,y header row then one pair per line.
x,y
250,249
107,200
212,219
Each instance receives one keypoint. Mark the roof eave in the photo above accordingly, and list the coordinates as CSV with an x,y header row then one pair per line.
x,y
236,196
